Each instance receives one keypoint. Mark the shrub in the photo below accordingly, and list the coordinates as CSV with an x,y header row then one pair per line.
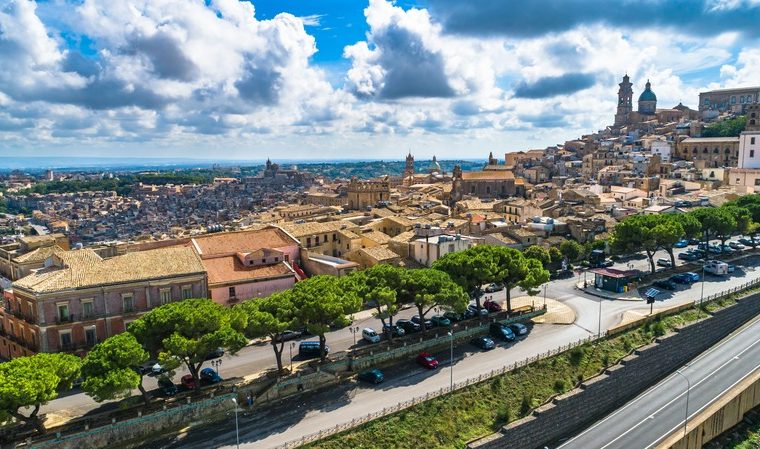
x,y
560,385
576,356
526,405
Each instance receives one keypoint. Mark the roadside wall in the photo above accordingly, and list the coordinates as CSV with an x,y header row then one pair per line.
x,y
605,393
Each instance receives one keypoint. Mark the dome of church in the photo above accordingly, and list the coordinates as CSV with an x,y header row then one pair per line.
x,y
648,95
434,166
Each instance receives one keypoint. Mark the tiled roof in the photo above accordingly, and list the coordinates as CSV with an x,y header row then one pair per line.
x,y
224,270
377,236
84,269
242,241
38,255
311,228
380,253
495,175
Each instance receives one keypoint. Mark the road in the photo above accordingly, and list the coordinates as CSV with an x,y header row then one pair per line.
x,y
661,410
306,415
257,358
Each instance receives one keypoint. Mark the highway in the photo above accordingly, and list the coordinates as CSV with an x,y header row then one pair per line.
x,y
661,410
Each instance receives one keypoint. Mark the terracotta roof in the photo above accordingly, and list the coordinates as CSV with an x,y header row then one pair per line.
x,y
311,228
496,175
84,268
229,270
380,253
377,236
242,241
38,255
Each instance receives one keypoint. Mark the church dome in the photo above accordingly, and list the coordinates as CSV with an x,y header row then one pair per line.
x,y
648,95
434,166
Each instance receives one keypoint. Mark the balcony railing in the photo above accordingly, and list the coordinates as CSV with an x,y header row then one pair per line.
x,y
65,319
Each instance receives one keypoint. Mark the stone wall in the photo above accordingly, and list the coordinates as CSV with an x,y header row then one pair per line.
x,y
605,393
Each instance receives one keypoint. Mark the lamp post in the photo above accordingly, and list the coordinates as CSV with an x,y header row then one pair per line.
x,y
688,388
599,330
354,331
545,294
290,347
216,364
237,432
451,361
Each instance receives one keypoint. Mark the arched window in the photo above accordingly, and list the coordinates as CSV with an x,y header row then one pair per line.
x,y
704,150
727,151
715,151
694,150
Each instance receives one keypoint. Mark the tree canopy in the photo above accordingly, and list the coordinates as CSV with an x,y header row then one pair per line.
x,y
571,249
429,288
470,269
109,369
33,381
270,317
187,331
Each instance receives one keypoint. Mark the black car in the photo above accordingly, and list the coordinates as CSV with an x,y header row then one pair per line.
x,y
394,330
694,241
502,332
418,320
665,284
215,354
408,326
477,312
519,329
373,376
745,241
166,386
483,342
146,368
454,317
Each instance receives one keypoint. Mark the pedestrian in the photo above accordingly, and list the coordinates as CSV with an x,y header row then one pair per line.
x,y
249,400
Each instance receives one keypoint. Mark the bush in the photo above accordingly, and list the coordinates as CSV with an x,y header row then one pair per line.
x,y
526,405
659,329
576,357
503,415
560,385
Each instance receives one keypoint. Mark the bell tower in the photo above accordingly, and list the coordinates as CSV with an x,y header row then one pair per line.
x,y
409,170
625,101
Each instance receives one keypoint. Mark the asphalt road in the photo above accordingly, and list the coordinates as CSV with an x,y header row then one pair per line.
x,y
661,410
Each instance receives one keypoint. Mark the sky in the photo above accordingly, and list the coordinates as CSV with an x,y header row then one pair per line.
x,y
357,79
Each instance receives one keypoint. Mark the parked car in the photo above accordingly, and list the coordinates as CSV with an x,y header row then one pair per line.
x,y
693,276
146,368
477,312
688,256
731,268
483,343
492,306
369,335
736,245
408,326
428,324
663,262
501,332
714,249
745,241
493,288
454,317
702,246
694,241
427,360
187,382
519,329
210,376
440,321
394,330
665,284
167,387
681,243
156,370
373,376
310,349
291,335
681,278
215,354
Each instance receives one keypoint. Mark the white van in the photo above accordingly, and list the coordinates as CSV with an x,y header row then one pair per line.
x,y
716,267
370,335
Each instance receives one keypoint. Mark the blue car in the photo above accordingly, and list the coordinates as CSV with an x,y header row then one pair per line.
x,y
483,343
373,376
681,244
681,278
694,277
210,376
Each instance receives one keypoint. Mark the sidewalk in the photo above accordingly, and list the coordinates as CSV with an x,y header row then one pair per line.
x,y
630,295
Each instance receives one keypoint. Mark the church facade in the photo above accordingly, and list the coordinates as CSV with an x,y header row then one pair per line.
x,y
647,104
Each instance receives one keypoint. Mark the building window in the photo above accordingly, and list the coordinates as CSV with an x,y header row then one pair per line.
x,y
166,295
128,303
751,153
63,313
751,140
88,310
324,239
757,181
187,291
90,336
276,259
308,242
287,257
232,292
741,99
733,99
65,338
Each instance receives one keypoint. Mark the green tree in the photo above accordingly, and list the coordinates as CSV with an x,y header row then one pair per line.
x,y
752,204
185,332
271,317
716,222
571,249
378,286
635,234
556,256
742,217
110,368
32,382
540,254
516,270
470,269
726,128
691,226
429,288
667,232
324,301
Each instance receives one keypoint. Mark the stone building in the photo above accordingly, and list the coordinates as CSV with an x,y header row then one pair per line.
x,y
733,100
80,299
363,194
710,152
486,184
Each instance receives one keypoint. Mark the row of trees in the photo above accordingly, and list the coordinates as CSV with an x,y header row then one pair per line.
x,y
651,233
183,333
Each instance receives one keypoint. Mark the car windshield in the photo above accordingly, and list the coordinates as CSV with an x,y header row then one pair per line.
x,y
429,359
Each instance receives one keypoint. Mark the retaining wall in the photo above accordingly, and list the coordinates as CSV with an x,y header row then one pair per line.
x,y
605,393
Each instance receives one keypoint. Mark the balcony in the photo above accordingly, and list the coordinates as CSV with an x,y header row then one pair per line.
x,y
65,319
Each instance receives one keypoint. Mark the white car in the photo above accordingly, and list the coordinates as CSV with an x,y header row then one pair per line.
x,y
370,335
663,262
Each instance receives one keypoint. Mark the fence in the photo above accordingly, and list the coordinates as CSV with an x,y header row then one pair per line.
x,y
477,379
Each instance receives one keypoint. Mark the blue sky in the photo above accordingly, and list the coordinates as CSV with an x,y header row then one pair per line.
x,y
349,79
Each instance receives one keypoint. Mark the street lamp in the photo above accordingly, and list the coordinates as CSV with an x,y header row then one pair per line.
x,y
545,294
688,388
599,330
216,364
354,330
451,361
237,432
291,346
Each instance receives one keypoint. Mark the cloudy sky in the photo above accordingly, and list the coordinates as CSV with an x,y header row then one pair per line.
x,y
349,78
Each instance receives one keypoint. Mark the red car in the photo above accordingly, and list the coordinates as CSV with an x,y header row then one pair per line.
x,y
187,382
427,360
492,306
